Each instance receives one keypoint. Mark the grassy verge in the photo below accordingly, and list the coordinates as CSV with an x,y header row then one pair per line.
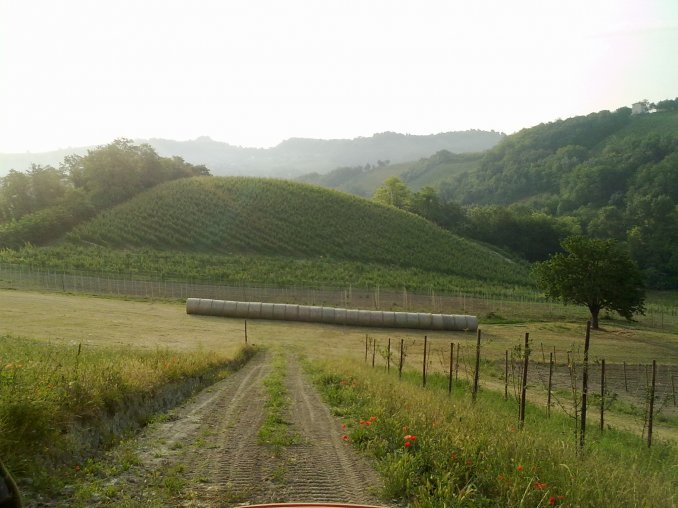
x,y
436,450
275,430
61,403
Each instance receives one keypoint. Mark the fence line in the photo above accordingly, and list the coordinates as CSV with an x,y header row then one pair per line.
x,y
148,286
626,386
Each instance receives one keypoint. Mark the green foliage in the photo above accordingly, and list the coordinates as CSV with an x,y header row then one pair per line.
x,y
44,203
596,273
393,192
261,217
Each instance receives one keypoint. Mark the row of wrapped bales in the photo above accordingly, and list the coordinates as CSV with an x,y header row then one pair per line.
x,y
330,315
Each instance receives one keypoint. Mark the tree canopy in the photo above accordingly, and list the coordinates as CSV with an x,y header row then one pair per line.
x,y
597,273
43,203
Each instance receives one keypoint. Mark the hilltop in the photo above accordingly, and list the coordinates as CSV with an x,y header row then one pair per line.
x,y
241,216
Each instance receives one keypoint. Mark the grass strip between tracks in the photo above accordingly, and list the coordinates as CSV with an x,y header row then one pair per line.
x,y
275,430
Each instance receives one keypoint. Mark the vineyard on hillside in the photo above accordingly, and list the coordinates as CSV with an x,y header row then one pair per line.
x,y
249,216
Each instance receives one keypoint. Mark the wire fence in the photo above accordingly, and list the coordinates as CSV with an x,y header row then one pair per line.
x,y
486,306
619,392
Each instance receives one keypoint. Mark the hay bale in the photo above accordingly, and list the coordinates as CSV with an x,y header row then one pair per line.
x,y
218,307
304,313
316,314
229,309
364,317
279,311
192,305
425,320
292,312
401,319
437,322
388,319
266,311
242,309
254,310
340,316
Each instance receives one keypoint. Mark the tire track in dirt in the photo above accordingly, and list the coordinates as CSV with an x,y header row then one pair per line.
x,y
212,440
323,468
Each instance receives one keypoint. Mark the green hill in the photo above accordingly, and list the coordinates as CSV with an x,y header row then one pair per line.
x,y
431,171
240,216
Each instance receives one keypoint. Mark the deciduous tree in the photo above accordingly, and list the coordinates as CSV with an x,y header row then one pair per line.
x,y
593,272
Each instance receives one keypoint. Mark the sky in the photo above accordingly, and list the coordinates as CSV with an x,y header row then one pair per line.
x,y
255,72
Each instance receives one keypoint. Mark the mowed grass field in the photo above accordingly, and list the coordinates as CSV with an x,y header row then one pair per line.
x,y
96,322
89,328
159,324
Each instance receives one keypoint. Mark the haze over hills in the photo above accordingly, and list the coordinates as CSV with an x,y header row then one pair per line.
x,y
292,157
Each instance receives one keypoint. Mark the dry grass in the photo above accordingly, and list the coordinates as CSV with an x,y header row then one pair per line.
x,y
103,321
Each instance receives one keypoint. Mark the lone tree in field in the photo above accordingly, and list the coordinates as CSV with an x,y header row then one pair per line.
x,y
596,273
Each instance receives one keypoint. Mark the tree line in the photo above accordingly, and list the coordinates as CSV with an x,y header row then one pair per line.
x,y
44,202
645,223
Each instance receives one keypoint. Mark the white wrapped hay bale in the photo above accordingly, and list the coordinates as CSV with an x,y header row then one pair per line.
x,y
330,315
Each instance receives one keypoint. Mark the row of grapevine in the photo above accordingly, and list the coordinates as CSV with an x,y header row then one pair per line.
x,y
276,218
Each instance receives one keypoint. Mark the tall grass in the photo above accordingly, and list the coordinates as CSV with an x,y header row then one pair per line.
x,y
60,403
466,454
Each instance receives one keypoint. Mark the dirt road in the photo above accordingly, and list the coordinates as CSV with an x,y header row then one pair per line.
x,y
207,450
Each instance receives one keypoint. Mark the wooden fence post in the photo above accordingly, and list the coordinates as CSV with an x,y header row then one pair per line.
x,y
374,350
476,374
585,386
548,399
523,393
246,331
651,411
423,371
366,348
449,382
400,364
602,394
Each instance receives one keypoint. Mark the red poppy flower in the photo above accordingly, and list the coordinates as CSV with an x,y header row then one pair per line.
x,y
344,437
343,425
552,500
539,485
407,444
519,468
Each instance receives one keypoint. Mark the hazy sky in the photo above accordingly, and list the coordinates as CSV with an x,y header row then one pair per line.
x,y
255,72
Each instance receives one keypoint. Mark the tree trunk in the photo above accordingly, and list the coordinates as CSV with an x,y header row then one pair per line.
x,y
594,317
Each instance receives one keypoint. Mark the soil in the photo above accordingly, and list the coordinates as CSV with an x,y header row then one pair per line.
x,y
210,443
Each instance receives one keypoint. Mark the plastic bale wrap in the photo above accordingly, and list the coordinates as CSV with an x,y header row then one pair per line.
x,y
389,319
279,311
292,312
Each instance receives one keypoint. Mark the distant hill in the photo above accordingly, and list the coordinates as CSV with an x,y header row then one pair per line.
x,y
430,171
263,217
292,157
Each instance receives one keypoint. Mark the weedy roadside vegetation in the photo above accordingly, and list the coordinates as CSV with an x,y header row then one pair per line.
x,y
439,450
61,403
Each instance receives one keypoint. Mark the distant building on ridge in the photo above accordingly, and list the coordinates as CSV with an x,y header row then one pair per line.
x,y
640,108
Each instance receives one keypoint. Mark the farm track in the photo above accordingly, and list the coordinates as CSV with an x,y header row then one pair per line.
x,y
211,442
